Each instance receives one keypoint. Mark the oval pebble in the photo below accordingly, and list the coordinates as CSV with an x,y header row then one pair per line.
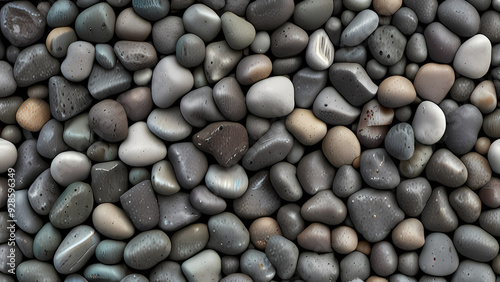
x,y
271,97
188,241
109,272
466,204
9,153
475,243
46,242
268,15
110,251
444,161
190,50
111,221
206,202
135,55
354,266
96,23
229,98
79,60
32,270
383,258
378,170
360,28
468,268
62,13
255,264
285,182
332,108
229,183
261,230
290,221
137,103
429,123
324,207
238,32
489,193
23,14
442,43
340,146
409,235
228,234
130,26
34,64
473,57
387,44
460,17
283,255
138,256
108,119
76,249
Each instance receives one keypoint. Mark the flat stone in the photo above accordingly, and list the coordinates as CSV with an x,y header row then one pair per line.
x,y
34,64
147,249
228,234
352,81
104,83
76,249
109,181
67,99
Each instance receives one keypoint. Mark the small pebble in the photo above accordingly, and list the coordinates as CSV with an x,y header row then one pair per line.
x,y
19,14
138,256
438,215
73,206
466,204
96,23
261,230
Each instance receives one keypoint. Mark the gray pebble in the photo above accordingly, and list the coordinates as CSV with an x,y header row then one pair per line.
x,y
230,265
105,56
438,215
101,151
354,265
311,15
469,270
448,106
315,173
43,193
24,242
176,212
147,249
378,170
488,220
284,180
398,68
238,32
290,221
151,10
163,178
413,194
324,207
428,278
374,213
442,43
190,164
438,256
236,277
446,168
76,249
7,80
29,164
473,242
228,234
383,258
137,102
198,107
408,263
287,65
256,127
77,133
189,241
495,58
15,15
490,21
236,6
110,251
229,98
318,267
462,128
46,242
202,21
62,13
283,255
466,204
73,206
460,17
360,28
169,124
333,28
136,55
11,53
490,124
167,271
220,59
50,140
138,174
104,83
227,182
296,153
67,99
357,54
375,69
400,141
387,44
171,25
108,120
288,40
205,265
416,48
141,205
86,3
114,272
96,23
190,50
8,109
32,270
269,15
206,202
405,19
316,237
346,182
320,51
307,84
426,10
352,81
134,278
34,64
256,265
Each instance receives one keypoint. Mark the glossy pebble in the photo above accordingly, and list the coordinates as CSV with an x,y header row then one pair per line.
x,y
76,249
130,151
137,255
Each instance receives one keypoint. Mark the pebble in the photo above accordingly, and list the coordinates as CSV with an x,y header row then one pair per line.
x,y
109,181
109,120
229,98
190,50
408,235
374,213
43,193
169,124
34,64
96,23
176,212
253,68
360,28
151,10
315,173
444,161
24,242
305,127
442,44
396,91
466,204
489,20
271,97
261,230
468,268
9,152
416,48
283,255
147,249
378,170
287,65
340,146
357,54
135,55
426,10
73,206
488,221
318,267
206,202
70,166
143,77
188,241
311,15
236,277
384,52
307,84
376,70
429,123
167,270
10,105
484,97
405,19
256,265
105,56
354,266
320,51
408,263
137,103
460,17
261,43
228,234
489,124
430,88
493,156
227,182
473,57
438,256
29,164
141,206
29,221
290,221
171,25
285,181
132,150
77,248
32,114
59,40
360,88
462,128
190,164
346,182
110,251
112,222
344,239
204,265
107,82
179,80
7,80
12,134
32,270
331,107
288,40
135,278
269,15
131,26
202,21
108,272
490,193
475,243
102,151
324,207
238,32
62,13
79,60
438,215
21,14
412,195
67,99
383,258
478,169
399,141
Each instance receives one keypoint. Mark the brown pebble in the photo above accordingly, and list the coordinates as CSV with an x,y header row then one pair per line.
x,y
433,81
483,145
262,229
484,97
387,7
396,91
340,146
376,279
316,237
253,68
305,126
344,239
33,114
490,193
409,235
364,247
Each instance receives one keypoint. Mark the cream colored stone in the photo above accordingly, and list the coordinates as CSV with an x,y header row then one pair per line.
x,y
305,126
396,91
340,146
112,222
344,239
409,234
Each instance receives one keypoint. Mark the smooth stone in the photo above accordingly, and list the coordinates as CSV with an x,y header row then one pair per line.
x,y
108,120
285,182
101,151
110,251
137,103
206,202
378,170
312,15
76,249
7,80
305,127
171,25
229,98
261,43
4,216
12,134
256,264
396,91
383,258
86,3
283,255
32,270
333,28
10,105
67,99
318,267
106,272
188,241
429,123
360,28
490,124
475,243
190,164
34,64
269,15
220,59
413,194
238,32
24,242
176,212
408,263
22,24
307,84
488,220
109,181
43,193
425,10
430,88
29,164
484,97
133,150
136,55
360,88
62,13
478,170
11,53
288,40
79,60
169,72
320,51
340,146
112,222
438,215
202,21
403,114
32,114
290,221
70,166
135,277
9,152
416,164
105,56
438,256
387,44
96,23
190,50
462,89
467,269
473,57
466,204
271,97
374,213
163,178
489,21
107,82
205,265
261,230
50,140
344,239
408,235
315,173
253,68
346,182
400,142
442,43
375,70
462,129
151,10
355,265
228,234
493,156
275,144
256,127
465,23
73,206
227,182
198,107
287,66
143,77
387,8
447,169
138,174
25,217
236,277
167,270
259,199
169,124
490,193
324,207
357,54
238,6
131,26
147,249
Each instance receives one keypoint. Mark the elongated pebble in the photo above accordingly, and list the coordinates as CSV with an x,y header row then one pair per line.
x,y
318,267
32,270
255,264
105,56
229,98
285,182
429,123
76,249
67,99
29,164
96,23
190,164
188,241
383,259
268,15
307,84
227,234
468,268
24,242
283,254
106,82
332,108
29,221
114,272
46,242
169,72
169,124
206,202
478,170
444,161
360,28
163,179
290,221
43,193
111,221
466,23
360,88
176,212
110,251
475,243
73,206
101,151
34,64
147,249
132,152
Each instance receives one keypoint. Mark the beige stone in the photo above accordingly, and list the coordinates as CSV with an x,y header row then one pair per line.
x,y
483,145
340,146
316,237
387,7
130,26
484,97
409,234
344,239
262,229
33,114
434,81
305,126
396,91
112,222
364,247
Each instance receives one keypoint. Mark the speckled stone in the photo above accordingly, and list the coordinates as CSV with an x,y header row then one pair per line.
x,y
112,272
107,82
268,15
283,255
34,64
412,195
131,26
261,230
354,265
466,204
32,270
360,28
475,243
332,108
135,55
467,269
26,218
109,181
383,258
319,267
105,56
438,256
111,221
108,119
43,193
67,99
76,249
378,170
285,181
442,44
137,103
176,212
62,13
69,167
147,249
171,25
110,251
288,40
190,164
465,23
50,140
167,270
22,24
438,215
206,202
229,98
387,44
7,80
473,57
490,193
73,206
228,234
359,90
188,241
29,164
96,23
255,264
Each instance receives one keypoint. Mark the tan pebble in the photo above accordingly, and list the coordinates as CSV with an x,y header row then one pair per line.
x,y
433,81
305,126
253,68
376,279
262,229
344,239
33,114
316,237
387,7
409,234
130,26
396,91
58,41
112,222
38,91
483,145
364,247
340,146
484,97
356,162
